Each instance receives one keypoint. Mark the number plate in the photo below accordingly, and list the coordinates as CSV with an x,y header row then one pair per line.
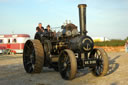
x,y
90,62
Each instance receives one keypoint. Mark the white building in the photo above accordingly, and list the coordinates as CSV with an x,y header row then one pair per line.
x,y
100,39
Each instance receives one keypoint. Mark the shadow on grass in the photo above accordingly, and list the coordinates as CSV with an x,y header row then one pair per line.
x,y
82,72
113,66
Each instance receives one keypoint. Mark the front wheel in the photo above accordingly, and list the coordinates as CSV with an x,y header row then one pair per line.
x,y
67,64
102,62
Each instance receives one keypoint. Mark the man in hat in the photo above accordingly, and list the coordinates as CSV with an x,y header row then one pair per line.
x,y
40,28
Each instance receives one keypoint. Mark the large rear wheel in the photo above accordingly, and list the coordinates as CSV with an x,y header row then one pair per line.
x,y
67,64
33,56
101,56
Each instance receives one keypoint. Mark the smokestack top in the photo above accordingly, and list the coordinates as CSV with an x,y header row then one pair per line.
x,y
82,5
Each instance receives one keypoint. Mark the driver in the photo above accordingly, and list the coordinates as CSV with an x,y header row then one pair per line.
x,y
40,28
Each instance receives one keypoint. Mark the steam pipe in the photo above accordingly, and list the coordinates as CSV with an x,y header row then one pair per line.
x,y
82,18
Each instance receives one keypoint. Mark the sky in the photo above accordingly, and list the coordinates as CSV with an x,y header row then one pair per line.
x,y
105,18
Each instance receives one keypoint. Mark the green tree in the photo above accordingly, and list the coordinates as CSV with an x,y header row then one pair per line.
x,y
126,38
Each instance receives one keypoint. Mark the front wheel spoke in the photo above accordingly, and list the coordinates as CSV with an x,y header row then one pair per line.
x,y
97,55
67,73
68,67
97,71
63,68
100,57
68,62
67,59
101,68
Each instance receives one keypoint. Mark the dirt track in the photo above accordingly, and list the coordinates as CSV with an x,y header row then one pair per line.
x,y
12,73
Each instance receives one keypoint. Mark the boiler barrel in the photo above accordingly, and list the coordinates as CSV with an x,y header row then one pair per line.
x,y
81,44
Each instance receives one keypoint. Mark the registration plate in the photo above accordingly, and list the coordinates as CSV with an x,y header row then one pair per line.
x,y
90,62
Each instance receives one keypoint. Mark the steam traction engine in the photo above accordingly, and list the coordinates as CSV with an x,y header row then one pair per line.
x,y
65,53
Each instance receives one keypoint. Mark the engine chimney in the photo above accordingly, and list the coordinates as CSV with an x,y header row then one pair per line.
x,y
82,18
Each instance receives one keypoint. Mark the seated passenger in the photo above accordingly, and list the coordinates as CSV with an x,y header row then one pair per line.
x,y
48,29
40,28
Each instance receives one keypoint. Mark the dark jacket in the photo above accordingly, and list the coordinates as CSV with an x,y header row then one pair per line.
x,y
47,31
39,30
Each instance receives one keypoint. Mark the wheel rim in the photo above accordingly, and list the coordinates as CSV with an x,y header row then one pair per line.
x,y
101,57
67,64
64,65
29,57
99,67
